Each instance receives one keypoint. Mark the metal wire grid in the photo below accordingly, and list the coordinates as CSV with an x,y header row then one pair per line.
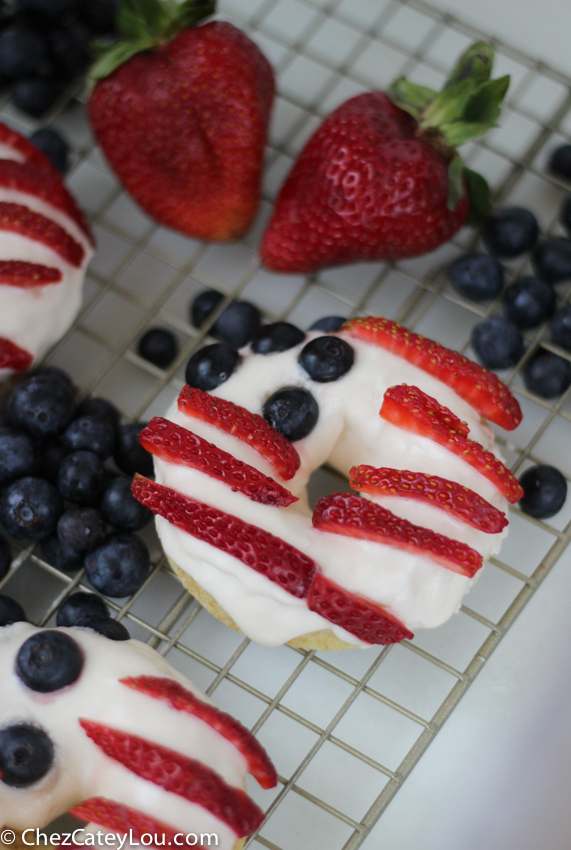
x,y
144,275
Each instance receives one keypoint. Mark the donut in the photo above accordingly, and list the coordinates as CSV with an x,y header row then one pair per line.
x,y
399,415
116,736
45,247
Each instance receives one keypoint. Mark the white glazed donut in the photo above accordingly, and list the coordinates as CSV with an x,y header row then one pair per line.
x,y
393,413
45,247
114,734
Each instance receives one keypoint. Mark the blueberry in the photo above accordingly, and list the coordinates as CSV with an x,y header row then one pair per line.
x,y
51,8
121,509
326,358
565,214
159,347
26,755
477,277
552,259
22,51
60,555
238,324
292,411
93,433
547,375
30,508
99,407
510,232
35,95
5,557
69,49
54,146
106,626
99,16
328,324
203,305
498,343
52,454
279,336
80,605
11,611
211,366
42,406
82,528
129,454
17,456
119,566
561,327
49,661
56,374
544,491
528,302
560,162
81,478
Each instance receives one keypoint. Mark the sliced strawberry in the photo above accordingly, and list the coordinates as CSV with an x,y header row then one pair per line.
x,y
480,388
19,219
353,516
248,427
27,275
180,775
170,442
457,500
256,548
30,152
364,619
120,818
410,408
179,698
14,357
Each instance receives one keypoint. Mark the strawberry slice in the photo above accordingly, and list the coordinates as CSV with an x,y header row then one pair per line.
x,y
480,388
364,619
457,500
248,427
14,357
183,776
28,151
120,818
19,219
258,549
179,698
27,275
410,408
170,442
354,516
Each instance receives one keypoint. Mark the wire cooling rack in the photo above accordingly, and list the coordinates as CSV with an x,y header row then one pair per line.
x,y
366,716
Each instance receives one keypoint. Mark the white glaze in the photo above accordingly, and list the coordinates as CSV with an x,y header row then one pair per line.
x,y
349,432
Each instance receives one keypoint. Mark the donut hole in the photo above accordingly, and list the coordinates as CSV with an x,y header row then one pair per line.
x,y
325,481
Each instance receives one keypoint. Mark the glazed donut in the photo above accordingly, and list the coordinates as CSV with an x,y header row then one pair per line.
x,y
387,408
45,247
116,736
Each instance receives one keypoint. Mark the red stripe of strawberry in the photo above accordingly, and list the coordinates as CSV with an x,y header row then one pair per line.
x,y
179,775
27,275
170,442
353,516
361,617
18,219
410,408
449,496
480,388
120,818
258,549
14,357
179,698
30,152
248,427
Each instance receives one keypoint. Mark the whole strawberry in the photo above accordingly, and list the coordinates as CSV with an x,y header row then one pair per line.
x,y
181,113
381,179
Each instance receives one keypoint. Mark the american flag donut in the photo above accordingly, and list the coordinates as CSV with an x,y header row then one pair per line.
x,y
45,247
403,419
115,735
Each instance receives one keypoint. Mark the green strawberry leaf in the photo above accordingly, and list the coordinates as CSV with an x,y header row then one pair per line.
x,y
411,97
449,105
190,12
475,63
486,103
116,55
455,181
129,24
460,132
480,198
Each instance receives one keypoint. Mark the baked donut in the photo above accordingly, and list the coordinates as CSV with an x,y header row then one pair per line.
x,y
389,409
115,735
45,246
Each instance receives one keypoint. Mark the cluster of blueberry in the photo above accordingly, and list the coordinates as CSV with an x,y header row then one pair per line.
x,y
45,44
528,301
58,485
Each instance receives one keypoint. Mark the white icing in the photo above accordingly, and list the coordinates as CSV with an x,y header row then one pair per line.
x,y
81,770
349,432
